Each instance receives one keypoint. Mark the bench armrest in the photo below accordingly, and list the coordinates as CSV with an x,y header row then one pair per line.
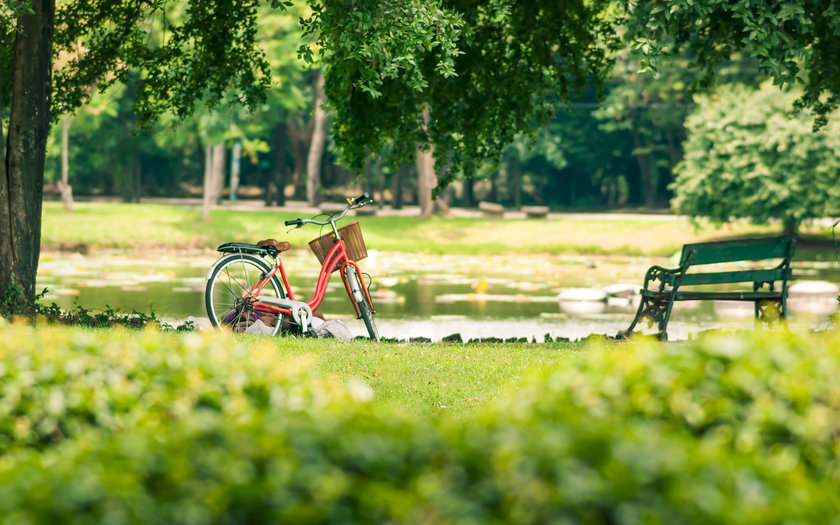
x,y
665,276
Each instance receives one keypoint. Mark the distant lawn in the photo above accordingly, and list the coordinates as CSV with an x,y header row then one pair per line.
x,y
160,226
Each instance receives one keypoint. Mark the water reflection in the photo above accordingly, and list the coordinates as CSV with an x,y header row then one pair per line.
x,y
430,295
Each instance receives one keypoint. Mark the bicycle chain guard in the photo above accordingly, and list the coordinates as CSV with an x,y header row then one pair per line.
x,y
301,312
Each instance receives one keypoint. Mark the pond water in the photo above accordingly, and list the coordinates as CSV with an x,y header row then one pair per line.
x,y
424,295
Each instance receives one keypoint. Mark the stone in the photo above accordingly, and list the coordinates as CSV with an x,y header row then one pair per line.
x,y
582,294
813,288
491,209
535,212
622,290
332,328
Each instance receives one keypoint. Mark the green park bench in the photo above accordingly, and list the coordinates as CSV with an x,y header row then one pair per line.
x,y
656,303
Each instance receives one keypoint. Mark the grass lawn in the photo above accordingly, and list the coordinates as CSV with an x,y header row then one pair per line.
x,y
156,226
428,379
415,379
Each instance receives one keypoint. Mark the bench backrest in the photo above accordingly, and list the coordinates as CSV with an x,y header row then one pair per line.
x,y
739,250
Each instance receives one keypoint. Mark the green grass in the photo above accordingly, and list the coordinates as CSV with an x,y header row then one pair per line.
x,y
156,226
428,379
416,379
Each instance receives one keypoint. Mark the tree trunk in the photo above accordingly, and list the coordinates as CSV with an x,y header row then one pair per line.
x,y
469,194
316,146
64,185
426,180
280,169
372,183
218,173
299,140
515,178
493,195
235,167
645,165
208,182
136,174
397,188
377,184
22,171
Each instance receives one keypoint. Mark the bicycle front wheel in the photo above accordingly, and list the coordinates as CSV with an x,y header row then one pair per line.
x,y
360,300
228,301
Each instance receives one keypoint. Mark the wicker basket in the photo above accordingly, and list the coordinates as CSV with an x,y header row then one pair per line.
x,y
354,243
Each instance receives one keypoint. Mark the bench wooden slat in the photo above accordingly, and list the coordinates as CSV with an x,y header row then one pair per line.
x,y
738,250
694,295
726,296
736,276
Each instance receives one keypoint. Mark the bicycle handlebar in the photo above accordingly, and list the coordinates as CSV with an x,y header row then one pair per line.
x,y
358,202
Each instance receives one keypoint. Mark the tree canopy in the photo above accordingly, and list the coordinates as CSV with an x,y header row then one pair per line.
x,y
486,71
746,156
794,42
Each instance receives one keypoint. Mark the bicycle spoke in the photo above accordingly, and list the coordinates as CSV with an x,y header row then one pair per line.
x,y
245,271
224,315
230,298
233,279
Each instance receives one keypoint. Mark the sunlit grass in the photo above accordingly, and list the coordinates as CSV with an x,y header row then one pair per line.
x,y
154,226
428,379
424,380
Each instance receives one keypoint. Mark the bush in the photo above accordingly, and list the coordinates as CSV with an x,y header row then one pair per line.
x,y
194,429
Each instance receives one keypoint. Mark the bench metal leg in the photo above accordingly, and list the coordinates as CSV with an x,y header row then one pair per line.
x,y
769,310
658,310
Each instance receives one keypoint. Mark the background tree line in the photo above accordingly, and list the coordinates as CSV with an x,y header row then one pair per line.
x,y
538,101
617,151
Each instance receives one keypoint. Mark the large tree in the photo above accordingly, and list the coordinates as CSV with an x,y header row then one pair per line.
x,y
746,157
208,52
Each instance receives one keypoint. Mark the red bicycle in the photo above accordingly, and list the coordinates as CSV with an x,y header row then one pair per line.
x,y
244,293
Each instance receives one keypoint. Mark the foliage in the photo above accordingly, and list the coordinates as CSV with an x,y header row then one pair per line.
x,y
185,52
201,49
792,41
746,157
11,9
485,71
106,146
728,429
14,302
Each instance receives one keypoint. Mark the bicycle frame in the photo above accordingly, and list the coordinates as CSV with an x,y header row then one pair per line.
x,y
336,256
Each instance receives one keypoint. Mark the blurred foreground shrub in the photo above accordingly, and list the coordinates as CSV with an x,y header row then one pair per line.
x,y
114,426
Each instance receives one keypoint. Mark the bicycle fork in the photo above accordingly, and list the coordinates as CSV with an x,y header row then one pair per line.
x,y
356,288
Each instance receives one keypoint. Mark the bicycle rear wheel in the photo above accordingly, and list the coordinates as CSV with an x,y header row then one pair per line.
x,y
361,301
226,300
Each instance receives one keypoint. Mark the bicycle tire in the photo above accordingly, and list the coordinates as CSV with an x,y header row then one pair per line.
x,y
365,309
229,279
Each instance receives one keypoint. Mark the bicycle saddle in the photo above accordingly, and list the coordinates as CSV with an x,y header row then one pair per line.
x,y
280,246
